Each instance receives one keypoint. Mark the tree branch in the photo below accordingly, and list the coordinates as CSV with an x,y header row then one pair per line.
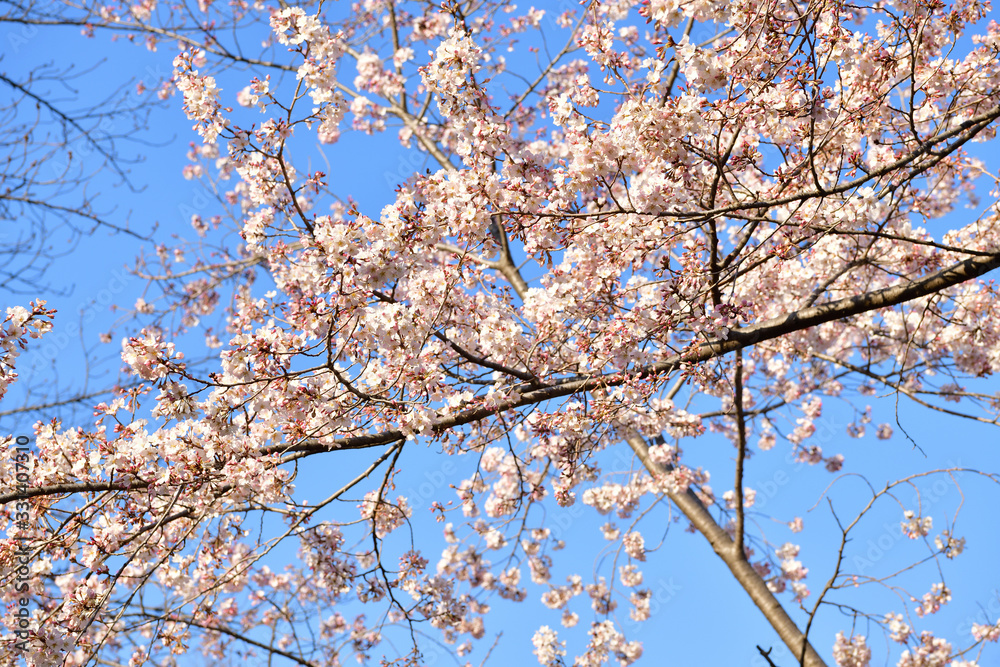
x,y
731,554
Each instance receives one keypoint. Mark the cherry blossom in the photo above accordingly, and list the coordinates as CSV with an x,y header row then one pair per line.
x,y
20,324
900,631
916,526
932,601
989,633
851,652
932,652
548,648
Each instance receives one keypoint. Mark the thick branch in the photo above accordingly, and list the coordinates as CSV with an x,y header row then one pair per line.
x,y
741,437
737,339
688,503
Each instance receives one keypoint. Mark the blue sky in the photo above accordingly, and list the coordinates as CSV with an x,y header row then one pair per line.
x,y
700,615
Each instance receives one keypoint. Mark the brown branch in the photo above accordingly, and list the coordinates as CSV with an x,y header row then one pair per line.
x,y
505,265
737,339
75,211
741,431
965,132
731,554
189,620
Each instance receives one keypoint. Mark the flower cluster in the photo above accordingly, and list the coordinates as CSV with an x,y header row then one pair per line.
x,y
900,631
948,544
792,571
17,326
916,526
548,648
384,515
150,356
201,96
851,652
932,601
987,633
932,652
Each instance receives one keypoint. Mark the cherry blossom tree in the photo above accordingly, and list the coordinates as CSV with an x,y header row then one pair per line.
x,y
687,219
